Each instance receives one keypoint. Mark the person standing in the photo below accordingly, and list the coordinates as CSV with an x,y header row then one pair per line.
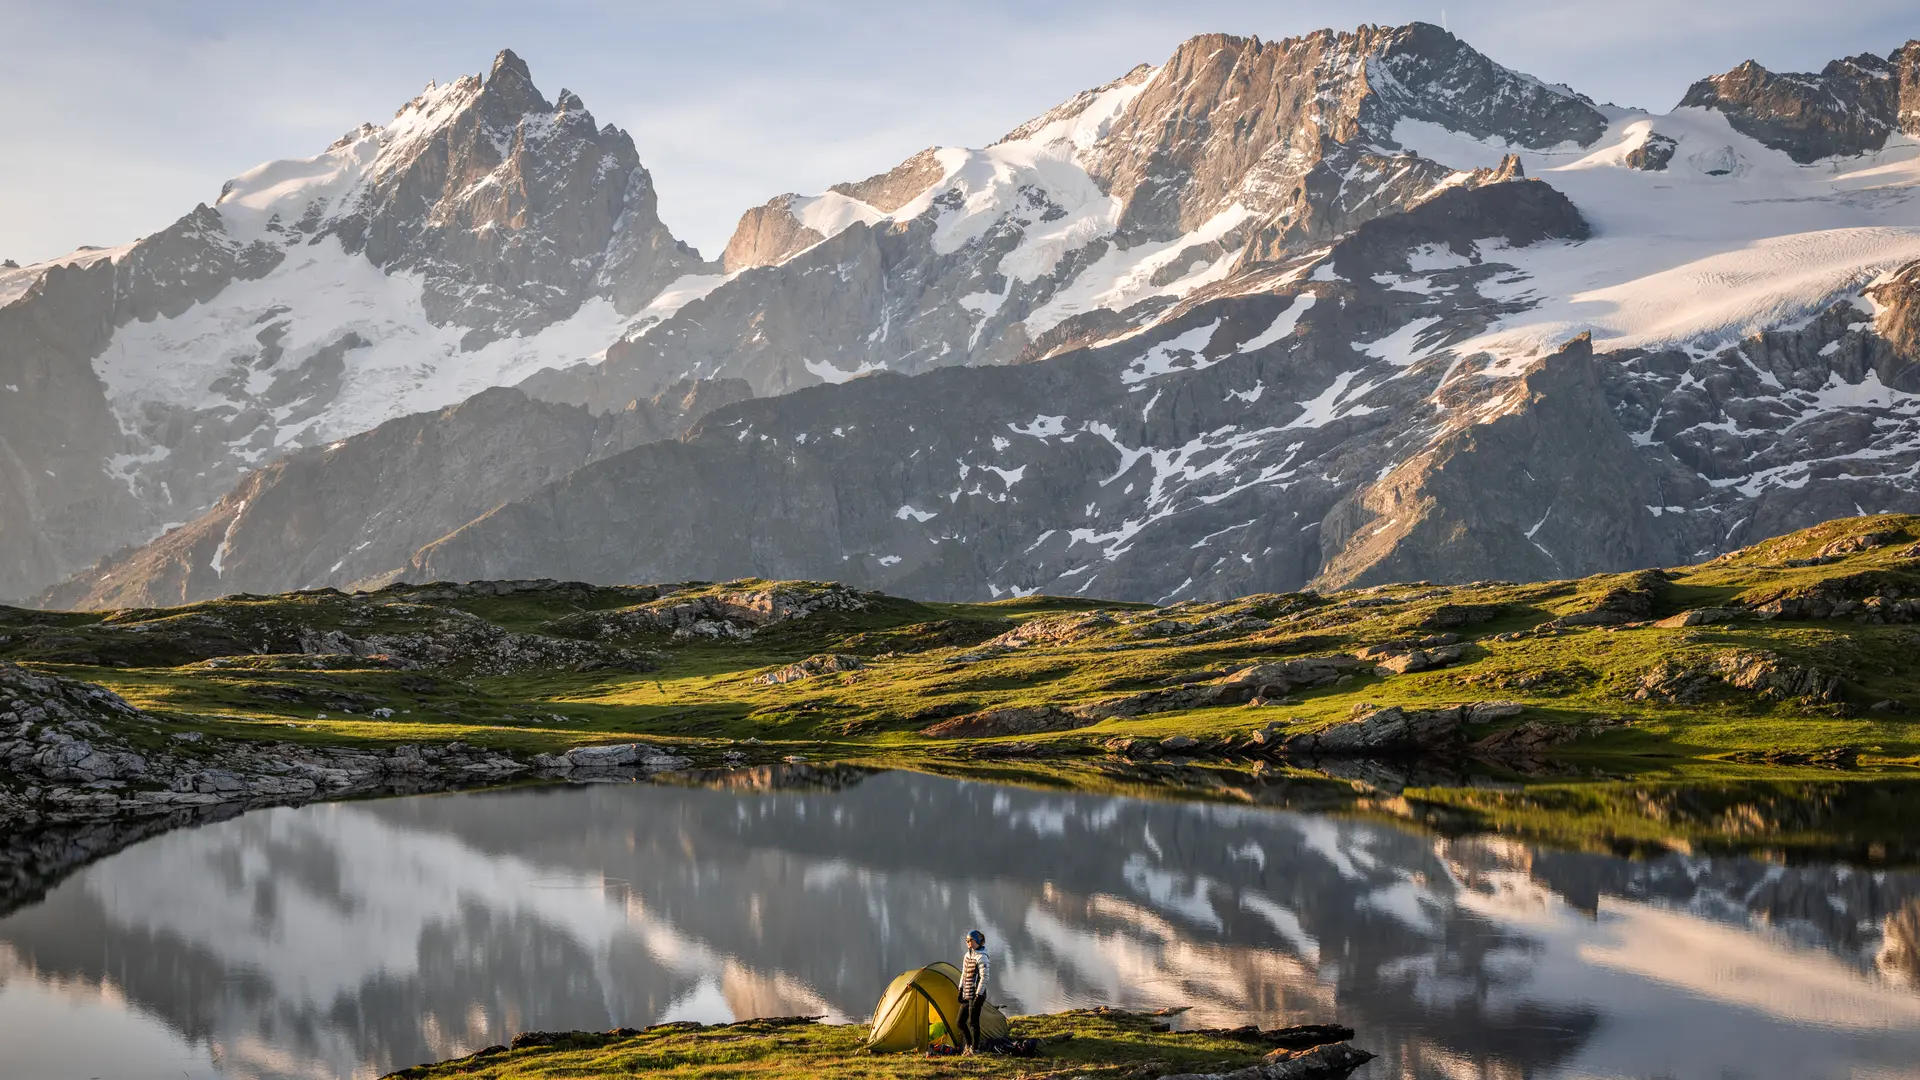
x,y
973,990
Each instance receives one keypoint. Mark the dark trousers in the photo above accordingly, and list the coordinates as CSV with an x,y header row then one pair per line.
x,y
969,1020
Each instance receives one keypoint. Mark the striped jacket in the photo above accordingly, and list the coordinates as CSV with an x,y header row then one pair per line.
x,y
973,973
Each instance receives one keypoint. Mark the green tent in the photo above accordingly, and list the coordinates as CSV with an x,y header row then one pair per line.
x,y
917,998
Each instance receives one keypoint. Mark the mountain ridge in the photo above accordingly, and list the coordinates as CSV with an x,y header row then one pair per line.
x,y
1690,331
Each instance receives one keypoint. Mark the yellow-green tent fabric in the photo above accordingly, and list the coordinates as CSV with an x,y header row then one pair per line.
x,y
916,998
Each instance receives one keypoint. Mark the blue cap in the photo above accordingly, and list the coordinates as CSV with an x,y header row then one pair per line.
x,y
976,937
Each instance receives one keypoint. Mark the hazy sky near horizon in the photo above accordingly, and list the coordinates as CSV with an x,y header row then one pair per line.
x,y
122,114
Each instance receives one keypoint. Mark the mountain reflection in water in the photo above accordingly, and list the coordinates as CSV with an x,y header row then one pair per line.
x,y
347,939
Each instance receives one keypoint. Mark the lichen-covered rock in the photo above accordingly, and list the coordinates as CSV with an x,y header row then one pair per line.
x,y
1631,601
1671,681
1055,630
1014,720
1701,617
823,664
1756,670
608,757
1538,736
1858,542
1330,1061
1266,681
1454,616
1392,730
729,613
1278,678
65,755
1407,661
1768,673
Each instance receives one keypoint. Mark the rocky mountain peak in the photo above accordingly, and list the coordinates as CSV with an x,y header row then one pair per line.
x,y
514,210
1238,121
1852,106
1422,72
508,94
507,64
1228,125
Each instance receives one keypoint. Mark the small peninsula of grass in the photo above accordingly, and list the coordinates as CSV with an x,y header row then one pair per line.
x,y
1100,1044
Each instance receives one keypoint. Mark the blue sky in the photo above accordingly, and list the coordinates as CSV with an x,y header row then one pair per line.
x,y
121,115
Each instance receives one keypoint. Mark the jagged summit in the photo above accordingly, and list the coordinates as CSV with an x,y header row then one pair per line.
x,y
1852,106
1088,220
479,172
508,62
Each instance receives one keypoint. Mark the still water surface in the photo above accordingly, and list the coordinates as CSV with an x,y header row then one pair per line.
x,y
349,939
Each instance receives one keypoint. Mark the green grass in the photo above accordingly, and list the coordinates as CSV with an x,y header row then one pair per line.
x,y
1104,1044
239,667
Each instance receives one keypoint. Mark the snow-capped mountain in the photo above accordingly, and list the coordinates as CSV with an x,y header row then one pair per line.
x,y
1088,220
483,233
1334,309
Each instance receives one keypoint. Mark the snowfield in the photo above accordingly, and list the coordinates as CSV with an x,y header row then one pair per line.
x,y
317,297
1730,239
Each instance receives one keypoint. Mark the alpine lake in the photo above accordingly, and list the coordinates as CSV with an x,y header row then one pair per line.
x,y
350,939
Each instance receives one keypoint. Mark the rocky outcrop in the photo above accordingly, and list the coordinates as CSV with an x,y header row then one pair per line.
x,y
1230,118
1402,658
83,773
823,664
1770,675
1537,737
1758,671
1654,153
1255,683
726,613
1628,602
1387,731
1701,617
1547,485
609,759
1850,107
1054,630
1898,320
767,235
1013,720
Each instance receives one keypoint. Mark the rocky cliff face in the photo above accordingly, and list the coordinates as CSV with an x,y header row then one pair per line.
x,y
1117,203
1851,107
1197,458
484,231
